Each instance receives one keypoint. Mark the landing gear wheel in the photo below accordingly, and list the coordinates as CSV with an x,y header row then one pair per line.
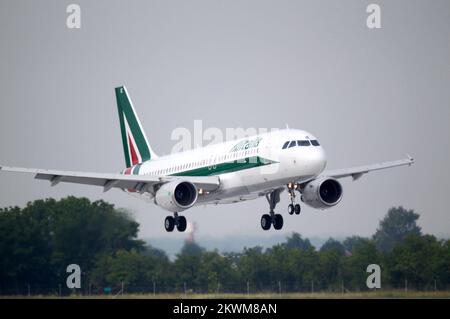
x,y
291,209
181,223
266,222
169,223
277,221
297,209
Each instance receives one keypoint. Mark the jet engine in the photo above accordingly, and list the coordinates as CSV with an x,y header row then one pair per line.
x,y
176,196
322,193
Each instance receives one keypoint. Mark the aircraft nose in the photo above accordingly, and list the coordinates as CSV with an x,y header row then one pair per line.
x,y
318,160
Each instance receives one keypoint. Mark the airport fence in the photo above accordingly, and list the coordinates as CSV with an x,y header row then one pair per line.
x,y
279,287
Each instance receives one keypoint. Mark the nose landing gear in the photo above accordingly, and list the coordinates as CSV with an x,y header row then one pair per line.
x,y
293,208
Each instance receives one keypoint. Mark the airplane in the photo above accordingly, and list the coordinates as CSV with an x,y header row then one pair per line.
x,y
263,165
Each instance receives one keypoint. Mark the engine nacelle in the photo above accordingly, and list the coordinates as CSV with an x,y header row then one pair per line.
x,y
322,193
176,196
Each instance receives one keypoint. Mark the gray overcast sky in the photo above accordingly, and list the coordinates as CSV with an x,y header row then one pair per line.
x,y
368,95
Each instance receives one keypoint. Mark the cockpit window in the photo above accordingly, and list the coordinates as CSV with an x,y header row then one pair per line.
x,y
290,144
303,143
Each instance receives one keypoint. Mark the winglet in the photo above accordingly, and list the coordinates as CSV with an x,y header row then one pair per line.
x,y
411,159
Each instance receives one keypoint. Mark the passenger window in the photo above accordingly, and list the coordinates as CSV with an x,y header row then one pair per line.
x,y
286,145
292,144
315,142
303,143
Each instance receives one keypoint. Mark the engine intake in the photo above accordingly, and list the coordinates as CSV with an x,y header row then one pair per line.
x,y
322,193
176,196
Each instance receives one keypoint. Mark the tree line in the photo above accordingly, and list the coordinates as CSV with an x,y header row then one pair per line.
x,y
38,242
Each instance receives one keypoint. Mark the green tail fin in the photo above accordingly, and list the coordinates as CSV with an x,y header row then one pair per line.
x,y
135,144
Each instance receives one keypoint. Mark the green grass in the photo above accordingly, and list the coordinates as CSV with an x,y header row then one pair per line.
x,y
319,295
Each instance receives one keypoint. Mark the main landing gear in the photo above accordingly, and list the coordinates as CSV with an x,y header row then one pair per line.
x,y
267,220
171,222
270,219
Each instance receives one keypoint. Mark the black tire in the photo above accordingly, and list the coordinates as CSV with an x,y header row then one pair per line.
x,y
181,224
169,223
278,222
297,209
266,222
291,209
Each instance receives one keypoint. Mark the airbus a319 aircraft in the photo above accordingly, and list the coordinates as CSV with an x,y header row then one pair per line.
x,y
260,166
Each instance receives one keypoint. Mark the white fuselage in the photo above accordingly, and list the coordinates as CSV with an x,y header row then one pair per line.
x,y
229,172
247,167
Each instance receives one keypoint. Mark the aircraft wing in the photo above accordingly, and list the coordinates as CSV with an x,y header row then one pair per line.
x,y
141,183
357,172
